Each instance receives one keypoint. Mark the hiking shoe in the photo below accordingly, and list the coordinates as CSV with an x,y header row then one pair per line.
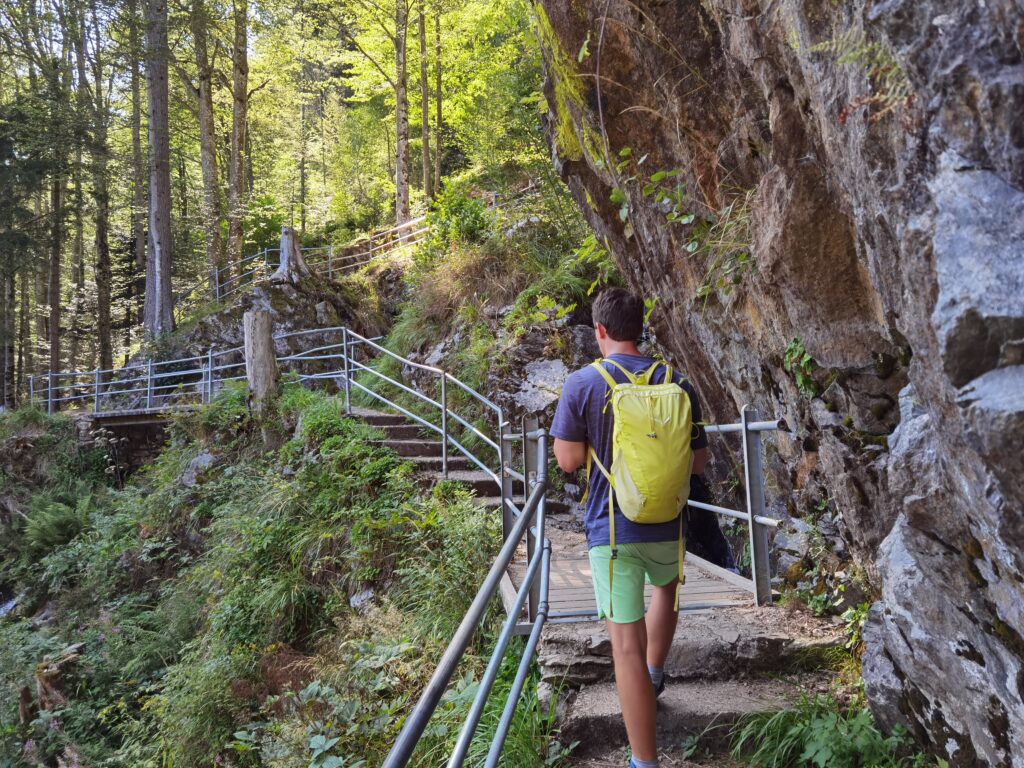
x,y
658,690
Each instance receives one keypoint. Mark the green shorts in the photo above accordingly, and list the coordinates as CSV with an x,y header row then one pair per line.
x,y
655,563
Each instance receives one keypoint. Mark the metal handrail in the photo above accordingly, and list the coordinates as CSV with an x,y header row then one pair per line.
x,y
530,520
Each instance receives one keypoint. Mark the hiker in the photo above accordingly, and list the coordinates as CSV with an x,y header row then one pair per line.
x,y
658,438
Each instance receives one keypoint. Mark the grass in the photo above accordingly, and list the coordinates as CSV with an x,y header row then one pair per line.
x,y
819,733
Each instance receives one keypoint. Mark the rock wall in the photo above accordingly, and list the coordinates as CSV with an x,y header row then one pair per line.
x,y
871,154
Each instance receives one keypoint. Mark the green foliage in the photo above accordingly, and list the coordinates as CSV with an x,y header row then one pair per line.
x,y
52,522
817,733
592,257
455,216
185,596
798,362
820,604
263,224
855,617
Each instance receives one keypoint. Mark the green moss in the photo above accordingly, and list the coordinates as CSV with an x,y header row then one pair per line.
x,y
568,88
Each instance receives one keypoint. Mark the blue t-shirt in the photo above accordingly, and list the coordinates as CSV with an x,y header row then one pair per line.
x,y
581,418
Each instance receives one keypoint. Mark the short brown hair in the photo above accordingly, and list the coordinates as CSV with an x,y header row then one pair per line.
x,y
621,313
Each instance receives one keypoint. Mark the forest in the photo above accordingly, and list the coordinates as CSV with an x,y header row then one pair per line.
x,y
148,148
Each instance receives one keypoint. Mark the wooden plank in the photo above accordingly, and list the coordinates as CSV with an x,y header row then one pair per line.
x,y
707,587
721,573
508,593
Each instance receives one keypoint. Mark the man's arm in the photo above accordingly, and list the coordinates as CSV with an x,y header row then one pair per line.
x,y
571,455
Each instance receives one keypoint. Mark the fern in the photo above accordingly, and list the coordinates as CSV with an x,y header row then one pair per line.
x,y
891,88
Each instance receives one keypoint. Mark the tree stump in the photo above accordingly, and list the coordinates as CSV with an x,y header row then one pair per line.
x,y
293,268
260,360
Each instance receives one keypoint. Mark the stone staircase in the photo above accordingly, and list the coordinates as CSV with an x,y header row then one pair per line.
x,y
419,446
723,664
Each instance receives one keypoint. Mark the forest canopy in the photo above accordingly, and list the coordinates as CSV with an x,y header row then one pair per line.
x,y
147,147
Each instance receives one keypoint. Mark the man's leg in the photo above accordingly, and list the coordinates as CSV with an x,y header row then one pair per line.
x,y
661,624
636,695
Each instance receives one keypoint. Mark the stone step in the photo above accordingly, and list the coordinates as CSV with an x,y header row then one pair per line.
x,y
433,463
674,755
715,645
405,431
692,708
413,447
479,482
378,419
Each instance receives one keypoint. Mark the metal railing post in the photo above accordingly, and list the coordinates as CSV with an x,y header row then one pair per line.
x,y
31,389
444,425
96,394
752,467
330,262
209,375
149,383
531,471
505,450
348,370
49,392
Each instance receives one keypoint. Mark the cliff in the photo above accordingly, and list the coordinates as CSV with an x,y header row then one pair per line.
x,y
845,180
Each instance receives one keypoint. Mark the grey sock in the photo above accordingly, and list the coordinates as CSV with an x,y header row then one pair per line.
x,y
657,675
638,763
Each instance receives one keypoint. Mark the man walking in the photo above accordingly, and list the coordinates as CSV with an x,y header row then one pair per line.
x,y
624,554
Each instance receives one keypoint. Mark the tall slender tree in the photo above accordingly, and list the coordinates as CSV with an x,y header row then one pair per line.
x,y
139,200
239,126
437,101
401,112
428,188
158,316
99,151
202,92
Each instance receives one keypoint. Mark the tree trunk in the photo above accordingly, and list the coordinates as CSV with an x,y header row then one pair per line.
x,y
42,293
10,399
137,286
158,317
239,119
77,265
53,289
84,118
401,113
101,199
302,165
260,360
428,188
293,269
212,210
26,359
437,103
104,330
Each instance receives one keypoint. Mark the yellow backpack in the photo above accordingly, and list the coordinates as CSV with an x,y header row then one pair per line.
x,y
651,452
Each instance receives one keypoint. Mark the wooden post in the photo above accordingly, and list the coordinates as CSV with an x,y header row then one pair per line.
x,y
292,267
260,361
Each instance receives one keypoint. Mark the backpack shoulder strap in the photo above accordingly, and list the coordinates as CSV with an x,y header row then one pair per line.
x,y
604,374
647,377
629,376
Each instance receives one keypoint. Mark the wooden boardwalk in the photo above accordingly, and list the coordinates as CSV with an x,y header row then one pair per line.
x,y
571,590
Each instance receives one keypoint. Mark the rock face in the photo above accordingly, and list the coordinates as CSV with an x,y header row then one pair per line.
x,y
856,173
